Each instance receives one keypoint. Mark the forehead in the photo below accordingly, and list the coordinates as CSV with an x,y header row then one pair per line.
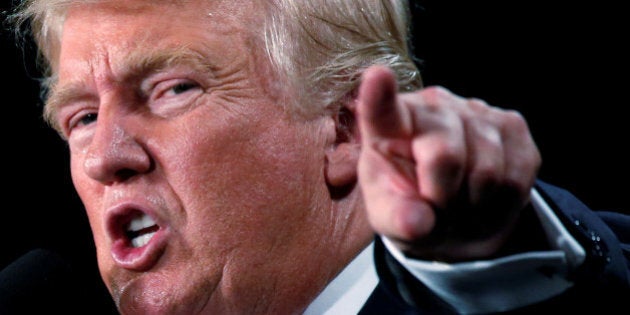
x,y
108,41
112,25
165,9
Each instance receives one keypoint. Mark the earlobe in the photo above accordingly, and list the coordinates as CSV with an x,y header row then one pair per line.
x,y
343,157
341,164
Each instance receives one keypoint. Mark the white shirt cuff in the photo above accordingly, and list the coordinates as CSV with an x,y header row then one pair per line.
x,y
504,283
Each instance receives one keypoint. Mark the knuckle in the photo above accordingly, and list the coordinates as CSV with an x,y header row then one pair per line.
x,y
435,94
477,104
514,120
521,177
488,137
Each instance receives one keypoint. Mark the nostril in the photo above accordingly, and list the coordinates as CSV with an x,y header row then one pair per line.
x,y
125,173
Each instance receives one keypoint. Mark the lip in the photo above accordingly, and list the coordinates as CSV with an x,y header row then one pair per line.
x,y
124,254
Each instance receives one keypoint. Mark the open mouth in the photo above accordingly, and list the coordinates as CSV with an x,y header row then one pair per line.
x,y
138,238
140,230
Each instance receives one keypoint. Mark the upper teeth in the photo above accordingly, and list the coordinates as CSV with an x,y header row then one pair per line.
x,y
142,222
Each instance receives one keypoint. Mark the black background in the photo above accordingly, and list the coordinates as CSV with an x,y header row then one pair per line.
x,y
563,66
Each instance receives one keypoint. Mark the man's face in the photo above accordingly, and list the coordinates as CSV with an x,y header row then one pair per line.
x,y
201,193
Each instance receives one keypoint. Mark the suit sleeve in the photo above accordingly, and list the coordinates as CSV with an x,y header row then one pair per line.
x,y
601,282
604,235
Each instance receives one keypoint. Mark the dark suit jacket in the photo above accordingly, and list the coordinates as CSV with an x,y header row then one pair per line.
x,y
601,284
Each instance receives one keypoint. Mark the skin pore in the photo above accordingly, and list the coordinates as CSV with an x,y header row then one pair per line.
x,y
173,120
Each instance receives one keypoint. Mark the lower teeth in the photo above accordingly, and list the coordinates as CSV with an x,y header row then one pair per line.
x,y
141,240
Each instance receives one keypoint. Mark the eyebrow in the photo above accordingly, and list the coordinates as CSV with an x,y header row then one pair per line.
x,y
135,64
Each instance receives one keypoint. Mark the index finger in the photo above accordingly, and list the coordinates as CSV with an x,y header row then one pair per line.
x,y
378,112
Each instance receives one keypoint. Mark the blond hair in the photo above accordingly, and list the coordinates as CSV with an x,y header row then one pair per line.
x,y
318,49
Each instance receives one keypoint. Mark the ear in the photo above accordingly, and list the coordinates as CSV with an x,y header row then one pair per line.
x,y
342,157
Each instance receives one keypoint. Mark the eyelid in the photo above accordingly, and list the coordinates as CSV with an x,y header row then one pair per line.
x,y
64,105
64,101
72,117
161,88
77,119
174,72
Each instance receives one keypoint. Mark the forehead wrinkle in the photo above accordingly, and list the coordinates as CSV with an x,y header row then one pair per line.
x,y
77,86
140,63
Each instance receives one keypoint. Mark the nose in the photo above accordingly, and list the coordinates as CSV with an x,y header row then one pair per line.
x,y
116,152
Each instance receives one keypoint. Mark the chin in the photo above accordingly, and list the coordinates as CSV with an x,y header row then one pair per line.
x,y
155,294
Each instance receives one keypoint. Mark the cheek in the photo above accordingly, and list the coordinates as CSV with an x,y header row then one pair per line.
x,y
88,190
247,181
91,195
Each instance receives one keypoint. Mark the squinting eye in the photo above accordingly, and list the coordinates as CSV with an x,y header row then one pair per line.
x,y
88,119
183,87
80,120
171,93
